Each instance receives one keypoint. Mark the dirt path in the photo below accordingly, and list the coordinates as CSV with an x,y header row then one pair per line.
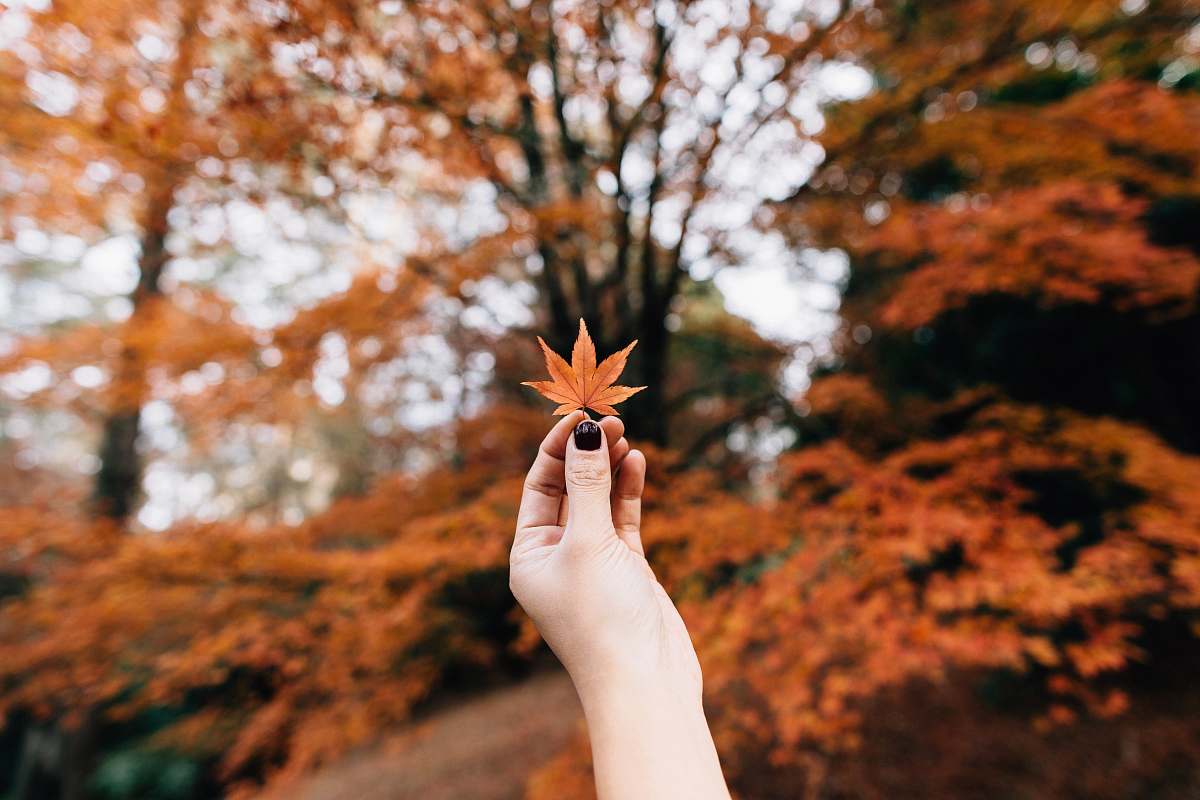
x,y
480,750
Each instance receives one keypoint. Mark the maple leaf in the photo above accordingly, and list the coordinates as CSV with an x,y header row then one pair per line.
x,y
583,384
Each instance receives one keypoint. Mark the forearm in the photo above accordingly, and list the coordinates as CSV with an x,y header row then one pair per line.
x,y
651,741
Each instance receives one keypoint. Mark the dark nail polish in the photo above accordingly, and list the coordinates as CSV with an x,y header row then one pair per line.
x,y
587,435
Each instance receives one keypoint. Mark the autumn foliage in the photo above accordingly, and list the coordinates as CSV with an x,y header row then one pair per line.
x,y
960,557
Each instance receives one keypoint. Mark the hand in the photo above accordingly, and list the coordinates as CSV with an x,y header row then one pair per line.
x,y
587,586
586,583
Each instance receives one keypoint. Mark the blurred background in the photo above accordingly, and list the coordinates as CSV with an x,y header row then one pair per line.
x,y
916,291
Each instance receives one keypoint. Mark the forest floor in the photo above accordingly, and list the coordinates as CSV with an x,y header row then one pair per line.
x,y
482,749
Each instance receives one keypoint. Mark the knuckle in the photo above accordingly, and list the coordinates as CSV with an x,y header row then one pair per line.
x,y
588,476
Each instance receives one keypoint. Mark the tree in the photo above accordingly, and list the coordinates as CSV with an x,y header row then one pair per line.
x,y
114,118
130,107
622,159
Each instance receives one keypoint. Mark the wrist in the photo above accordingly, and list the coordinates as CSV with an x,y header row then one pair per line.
x,y
632,688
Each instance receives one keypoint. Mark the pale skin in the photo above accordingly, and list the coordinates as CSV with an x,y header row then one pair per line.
x,y
585,582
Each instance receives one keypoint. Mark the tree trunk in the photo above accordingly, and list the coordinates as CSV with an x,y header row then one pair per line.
x,y
647,418
56,762
37,773
118,482
78,758
120,473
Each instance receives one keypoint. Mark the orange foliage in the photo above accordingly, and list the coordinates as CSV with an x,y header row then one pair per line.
x,y
946,556
1066,243
312,639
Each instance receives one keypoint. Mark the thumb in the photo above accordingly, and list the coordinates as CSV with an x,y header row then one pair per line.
x,y
589,484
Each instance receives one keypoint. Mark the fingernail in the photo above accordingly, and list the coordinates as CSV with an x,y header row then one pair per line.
x,y
587,435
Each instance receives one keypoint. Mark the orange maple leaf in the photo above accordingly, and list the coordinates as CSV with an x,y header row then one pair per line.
x,y
583,384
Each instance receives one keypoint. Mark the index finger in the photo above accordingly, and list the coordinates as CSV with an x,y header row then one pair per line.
x,y
545,483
